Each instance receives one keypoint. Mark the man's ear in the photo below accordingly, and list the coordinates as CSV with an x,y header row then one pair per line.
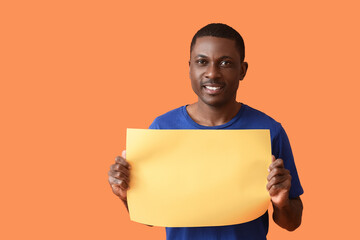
x,y
189,70
243,69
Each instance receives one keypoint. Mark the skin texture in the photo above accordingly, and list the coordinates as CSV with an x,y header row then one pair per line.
x,y
119,177
215,63
287,212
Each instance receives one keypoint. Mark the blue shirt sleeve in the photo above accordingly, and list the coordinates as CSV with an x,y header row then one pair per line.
x,y
281,149
154,124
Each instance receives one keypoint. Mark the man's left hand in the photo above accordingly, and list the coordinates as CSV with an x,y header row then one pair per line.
x,y
279,183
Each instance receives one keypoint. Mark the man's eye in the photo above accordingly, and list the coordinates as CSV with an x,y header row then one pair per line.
x,y
201,61
225,63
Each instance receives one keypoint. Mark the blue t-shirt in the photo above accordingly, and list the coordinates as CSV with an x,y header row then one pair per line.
x,y
246,118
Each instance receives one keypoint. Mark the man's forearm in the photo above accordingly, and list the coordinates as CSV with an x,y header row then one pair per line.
x,y
289,216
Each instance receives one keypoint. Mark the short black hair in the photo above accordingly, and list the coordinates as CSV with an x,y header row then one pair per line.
x,y
223,31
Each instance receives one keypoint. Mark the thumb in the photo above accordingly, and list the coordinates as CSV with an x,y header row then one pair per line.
x,y
123,154
272,160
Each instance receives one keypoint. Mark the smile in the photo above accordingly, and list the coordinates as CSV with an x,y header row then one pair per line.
x,y
213,90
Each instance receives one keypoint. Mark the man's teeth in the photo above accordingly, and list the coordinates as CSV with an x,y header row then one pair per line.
x,y
212,88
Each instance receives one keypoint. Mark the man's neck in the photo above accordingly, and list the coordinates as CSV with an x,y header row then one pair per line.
x,y
212,116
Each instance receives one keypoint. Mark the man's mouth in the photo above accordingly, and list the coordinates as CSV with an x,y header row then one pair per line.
x,y
213,88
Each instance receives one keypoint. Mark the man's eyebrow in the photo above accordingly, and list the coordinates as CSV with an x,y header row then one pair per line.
x,y
224,57
204,56
200,56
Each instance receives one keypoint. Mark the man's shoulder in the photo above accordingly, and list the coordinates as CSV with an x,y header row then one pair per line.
x,y
175,113
259,115
256,119
168,119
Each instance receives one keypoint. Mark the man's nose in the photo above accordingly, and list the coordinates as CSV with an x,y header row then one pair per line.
x,y
212,71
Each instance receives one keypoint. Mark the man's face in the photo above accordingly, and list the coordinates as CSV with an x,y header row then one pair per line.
x,y
215,70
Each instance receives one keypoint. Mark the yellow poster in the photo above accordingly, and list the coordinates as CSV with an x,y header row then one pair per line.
x,y
187,178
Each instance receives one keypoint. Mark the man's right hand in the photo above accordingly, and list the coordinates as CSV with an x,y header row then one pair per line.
x,y
119,177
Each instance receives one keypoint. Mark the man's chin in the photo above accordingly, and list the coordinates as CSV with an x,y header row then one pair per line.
x,y
214,103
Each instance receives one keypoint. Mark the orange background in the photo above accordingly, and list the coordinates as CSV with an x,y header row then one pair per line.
x,y
75,74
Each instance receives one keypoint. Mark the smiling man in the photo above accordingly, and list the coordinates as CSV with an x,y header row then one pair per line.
x,y
217,66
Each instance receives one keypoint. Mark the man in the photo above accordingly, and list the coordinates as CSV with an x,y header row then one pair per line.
x,y
216,67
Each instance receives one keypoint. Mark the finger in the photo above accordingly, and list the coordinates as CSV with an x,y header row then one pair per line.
x,y
122,161
123,154
276,188
272,160
119,174
279,180
115,181
277,171
278,163
122,183
117,167
122,194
